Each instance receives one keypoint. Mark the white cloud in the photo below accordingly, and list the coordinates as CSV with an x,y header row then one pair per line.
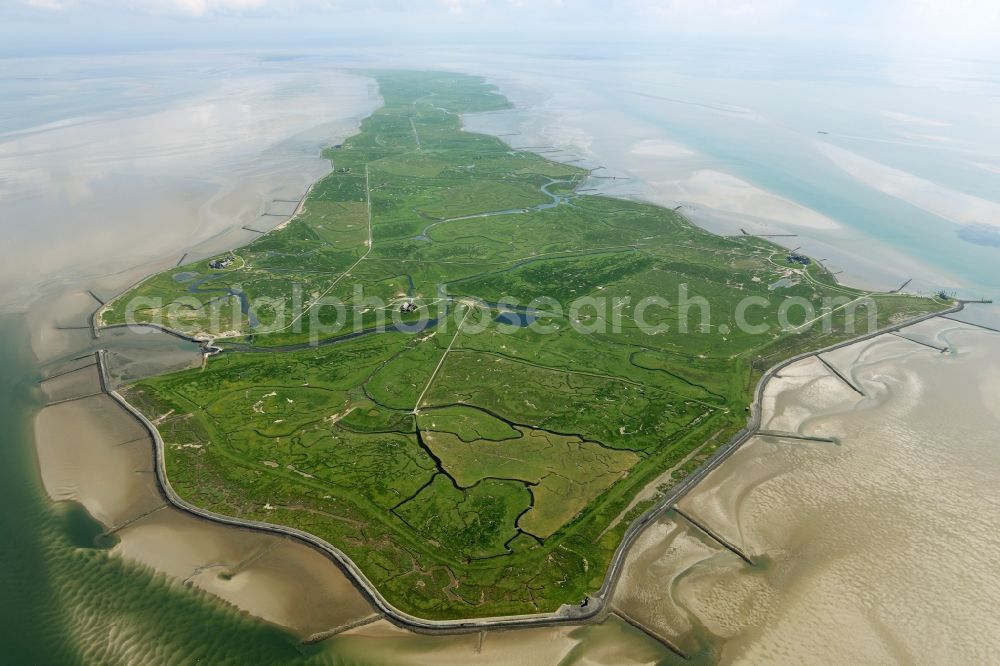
x,y
704,12
184,7
950,27
900,28
50,5
198,7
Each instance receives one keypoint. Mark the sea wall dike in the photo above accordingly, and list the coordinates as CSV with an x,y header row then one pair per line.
x,y
598,604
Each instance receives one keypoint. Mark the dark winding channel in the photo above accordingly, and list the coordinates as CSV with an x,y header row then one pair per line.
x,y
596,606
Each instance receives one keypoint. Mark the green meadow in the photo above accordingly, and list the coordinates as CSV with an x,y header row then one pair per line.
x,y
472,467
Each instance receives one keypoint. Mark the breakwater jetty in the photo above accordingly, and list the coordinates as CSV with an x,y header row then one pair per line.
x,y
840,375
714,536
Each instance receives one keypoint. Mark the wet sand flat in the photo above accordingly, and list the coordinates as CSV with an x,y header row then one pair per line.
x,y
276,579
89,453
865,549
90,450
93,452
164,168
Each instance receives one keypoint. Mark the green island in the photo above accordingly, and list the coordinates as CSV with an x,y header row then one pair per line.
x,y
469,470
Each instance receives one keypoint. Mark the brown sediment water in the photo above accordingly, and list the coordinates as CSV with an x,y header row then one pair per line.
x,y
878,548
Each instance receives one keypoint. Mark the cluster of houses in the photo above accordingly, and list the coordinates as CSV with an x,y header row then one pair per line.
x,y
798,259
225,262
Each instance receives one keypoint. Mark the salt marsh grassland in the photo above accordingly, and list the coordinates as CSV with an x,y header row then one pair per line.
x,y
481,457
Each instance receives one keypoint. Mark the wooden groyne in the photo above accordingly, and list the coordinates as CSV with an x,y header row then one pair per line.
x,y
134,519
330,633
715,537
652,634
747,233
840,376
102,380
900,287
920,342
62,401
792,435
969,323
65,372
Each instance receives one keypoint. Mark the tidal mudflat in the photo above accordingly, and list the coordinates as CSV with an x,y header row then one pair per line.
x,y
212,170
864,547
105,180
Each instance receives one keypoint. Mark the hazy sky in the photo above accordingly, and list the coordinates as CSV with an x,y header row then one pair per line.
x,y
963,28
